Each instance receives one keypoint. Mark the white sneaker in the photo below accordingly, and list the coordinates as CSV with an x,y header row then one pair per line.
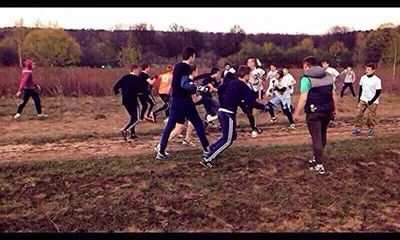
x,y
292,126
42,115
274,119
17,116
157,149
210,118
319,168
254,134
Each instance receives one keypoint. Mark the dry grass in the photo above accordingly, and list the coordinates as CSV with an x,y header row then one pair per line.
x,y
273,191
77,82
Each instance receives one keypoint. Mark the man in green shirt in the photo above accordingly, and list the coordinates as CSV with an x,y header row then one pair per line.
x,y
318,99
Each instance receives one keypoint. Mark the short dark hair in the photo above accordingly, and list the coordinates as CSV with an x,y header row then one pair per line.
x,y
323,60
134,67
214,70
192,69
145,66
310,61
280,72
371,65
226,64
188,52
243,71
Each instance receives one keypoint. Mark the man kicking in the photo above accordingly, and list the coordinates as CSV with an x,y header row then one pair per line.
x,y
236,92
129,84
182,106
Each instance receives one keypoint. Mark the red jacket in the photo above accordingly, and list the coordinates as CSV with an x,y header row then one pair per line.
x,y
27,80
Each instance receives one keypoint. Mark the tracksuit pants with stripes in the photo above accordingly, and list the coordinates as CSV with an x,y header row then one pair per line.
x,y
146,99
133,111
228,124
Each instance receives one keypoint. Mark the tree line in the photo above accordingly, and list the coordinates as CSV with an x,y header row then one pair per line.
x,y
52,46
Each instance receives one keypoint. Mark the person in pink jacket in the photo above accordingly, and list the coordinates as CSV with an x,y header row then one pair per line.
x,y
28,88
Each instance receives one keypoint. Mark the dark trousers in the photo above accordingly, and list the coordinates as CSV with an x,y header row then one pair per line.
x,y
249,113
210,105
317,124
180,110
270,108
133,111
287,111
346,85
228,124
165,106
26,95
145,100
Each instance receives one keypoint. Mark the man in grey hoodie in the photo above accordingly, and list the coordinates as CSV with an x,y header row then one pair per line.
x,y
318,99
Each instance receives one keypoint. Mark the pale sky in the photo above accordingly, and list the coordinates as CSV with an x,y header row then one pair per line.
x,y
252,20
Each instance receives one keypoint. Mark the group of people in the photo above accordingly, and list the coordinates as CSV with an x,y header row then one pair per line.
x,y
243,88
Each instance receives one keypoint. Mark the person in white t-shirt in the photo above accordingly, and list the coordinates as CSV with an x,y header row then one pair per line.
x,y
256,77
330,70
271,73
280,88
334,73
289,77
370,89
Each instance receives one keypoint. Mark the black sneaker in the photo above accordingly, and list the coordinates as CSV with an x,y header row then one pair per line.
x,y
206,164
134,136
206,152
124,135
258,130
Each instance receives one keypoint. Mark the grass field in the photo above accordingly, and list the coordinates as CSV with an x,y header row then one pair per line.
x,y
73,172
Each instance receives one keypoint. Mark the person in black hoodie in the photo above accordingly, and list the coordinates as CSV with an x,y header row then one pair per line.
x,y
145,97
237,92
182,105
318,99
129,84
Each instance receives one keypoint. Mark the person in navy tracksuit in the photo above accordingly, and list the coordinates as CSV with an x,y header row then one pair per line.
x,y
182,105
236,92
130,86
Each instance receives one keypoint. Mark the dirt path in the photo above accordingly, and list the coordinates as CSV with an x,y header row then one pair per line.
x,y
76,149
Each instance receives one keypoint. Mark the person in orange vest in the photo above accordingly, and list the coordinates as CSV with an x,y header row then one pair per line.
x,y
164,92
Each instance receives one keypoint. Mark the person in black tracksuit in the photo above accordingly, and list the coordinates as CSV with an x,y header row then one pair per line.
x,y
236,92
144,94
210,84
129,84
247,110
182,105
